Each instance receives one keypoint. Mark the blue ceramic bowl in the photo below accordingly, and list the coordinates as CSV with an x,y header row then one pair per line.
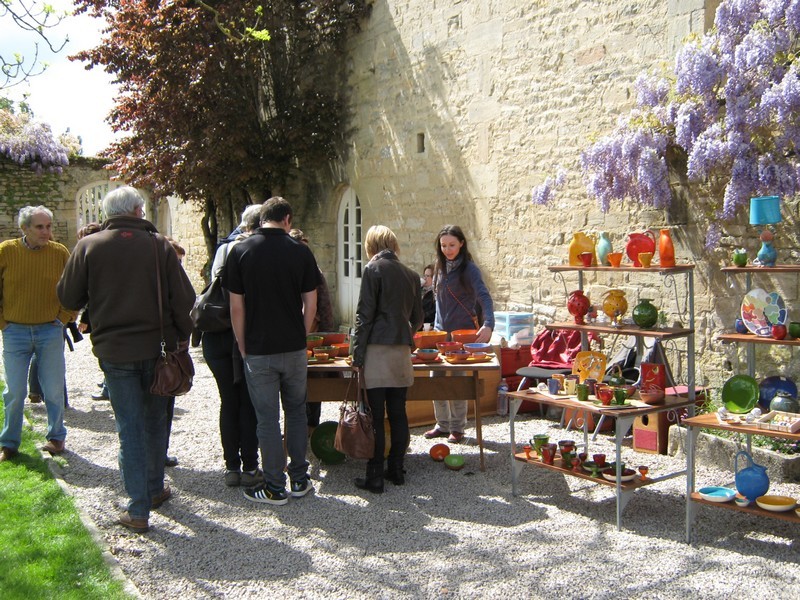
x,y
478,347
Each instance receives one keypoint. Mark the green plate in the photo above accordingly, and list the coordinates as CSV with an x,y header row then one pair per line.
x,y
322,443
740,394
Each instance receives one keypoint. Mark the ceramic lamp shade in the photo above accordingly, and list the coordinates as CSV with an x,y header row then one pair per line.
x,y
765,210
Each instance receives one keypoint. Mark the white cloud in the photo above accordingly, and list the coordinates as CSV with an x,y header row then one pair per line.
x,y
66,96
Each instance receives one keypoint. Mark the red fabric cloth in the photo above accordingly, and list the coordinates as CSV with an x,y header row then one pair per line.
x,y
556,349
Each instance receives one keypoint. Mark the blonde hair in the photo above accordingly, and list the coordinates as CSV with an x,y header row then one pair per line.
x,y
380,237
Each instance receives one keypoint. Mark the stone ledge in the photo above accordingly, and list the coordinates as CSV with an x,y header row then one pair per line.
x,y
719,452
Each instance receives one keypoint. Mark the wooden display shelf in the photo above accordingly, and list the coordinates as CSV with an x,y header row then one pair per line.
x,y
663,333
753,509
625,485
623,268
757,269
710,421
751,338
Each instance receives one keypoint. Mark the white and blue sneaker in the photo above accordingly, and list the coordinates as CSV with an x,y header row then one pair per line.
x,y
301,487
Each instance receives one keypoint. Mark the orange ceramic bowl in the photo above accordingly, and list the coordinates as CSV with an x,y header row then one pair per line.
x,y
429,339
445,347
343,348
465,336
312,341
458,356
329,338
438,452
331,351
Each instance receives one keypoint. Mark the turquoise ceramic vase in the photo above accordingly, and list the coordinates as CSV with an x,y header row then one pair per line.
x,y
602,248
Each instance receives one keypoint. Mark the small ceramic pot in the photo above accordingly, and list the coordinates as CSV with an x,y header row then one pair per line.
x,y
739,258
586,258
794,329
553,386
645,258
599,459
739,326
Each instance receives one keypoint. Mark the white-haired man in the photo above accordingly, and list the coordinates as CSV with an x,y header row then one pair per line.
x,y
32,320
114,272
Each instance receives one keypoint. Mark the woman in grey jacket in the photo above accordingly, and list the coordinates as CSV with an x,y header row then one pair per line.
x,y
389,312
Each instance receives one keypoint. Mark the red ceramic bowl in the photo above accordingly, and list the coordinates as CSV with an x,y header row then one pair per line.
x,y
445,347
344,348
652,395
465,336
429,339
329,338
438,452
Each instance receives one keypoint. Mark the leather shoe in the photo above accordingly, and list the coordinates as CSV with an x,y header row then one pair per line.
x,y
456,437
434,433
7,453
135,525
35,398
170,461
54,446
159,499
99,396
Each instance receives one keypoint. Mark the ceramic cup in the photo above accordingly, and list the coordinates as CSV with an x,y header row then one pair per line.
x,y
570,386
553,386
794,329
586,258
567,458
561,378
620,395
582,392
591,383
614,258
645,258
604,393
539,440
599,459
549,453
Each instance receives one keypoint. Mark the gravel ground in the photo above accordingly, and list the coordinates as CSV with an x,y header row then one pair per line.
x,y
444,534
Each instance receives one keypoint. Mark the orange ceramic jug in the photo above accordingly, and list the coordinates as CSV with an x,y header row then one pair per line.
x,y
666,250
614,304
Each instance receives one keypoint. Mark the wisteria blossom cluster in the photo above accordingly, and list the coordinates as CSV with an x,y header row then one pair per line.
x,y
30,142
544,193
731,106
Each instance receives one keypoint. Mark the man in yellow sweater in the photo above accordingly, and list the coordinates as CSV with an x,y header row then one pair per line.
x,y
32,321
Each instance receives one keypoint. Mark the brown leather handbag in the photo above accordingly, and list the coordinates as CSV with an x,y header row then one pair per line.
x,y
174,370
355,436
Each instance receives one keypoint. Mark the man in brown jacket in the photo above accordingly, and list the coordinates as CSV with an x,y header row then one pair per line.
x,y
114,272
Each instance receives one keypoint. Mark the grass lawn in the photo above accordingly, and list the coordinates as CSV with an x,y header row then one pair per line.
x,y
45,551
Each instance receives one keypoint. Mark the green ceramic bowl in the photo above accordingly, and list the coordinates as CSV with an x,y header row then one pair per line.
x,y
322,443
454,461
740,394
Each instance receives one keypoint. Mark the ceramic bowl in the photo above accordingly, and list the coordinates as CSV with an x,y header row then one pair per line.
x,y
312,341
343,348
427,354
776,503
717,494
321,357
321,443
445,347
465,336
454,462
329,338
478,347
439,452
652,395
429,339
742,502
459,356
331,351
611,474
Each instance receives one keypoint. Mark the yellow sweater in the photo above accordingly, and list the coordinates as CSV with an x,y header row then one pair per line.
x,y
28,281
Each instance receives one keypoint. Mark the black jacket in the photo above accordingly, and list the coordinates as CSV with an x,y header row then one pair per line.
x,y
389,306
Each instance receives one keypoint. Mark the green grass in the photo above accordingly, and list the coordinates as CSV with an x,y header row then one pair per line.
x,y
45,551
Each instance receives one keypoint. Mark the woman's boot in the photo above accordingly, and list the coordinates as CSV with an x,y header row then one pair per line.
x,y
395,472
373,482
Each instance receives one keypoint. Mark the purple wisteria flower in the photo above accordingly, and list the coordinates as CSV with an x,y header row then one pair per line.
x,y
32,142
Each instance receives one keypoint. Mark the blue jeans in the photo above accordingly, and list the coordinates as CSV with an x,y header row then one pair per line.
x,y
141,420
20,344
267,376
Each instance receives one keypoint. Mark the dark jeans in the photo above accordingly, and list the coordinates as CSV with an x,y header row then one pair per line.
x,y
393,400
237,417
141,421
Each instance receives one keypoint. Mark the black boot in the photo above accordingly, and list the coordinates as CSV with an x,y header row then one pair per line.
x,y
395,473
373,482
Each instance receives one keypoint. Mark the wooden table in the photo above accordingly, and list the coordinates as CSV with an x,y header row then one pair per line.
x,y
432,381
710,421
624,417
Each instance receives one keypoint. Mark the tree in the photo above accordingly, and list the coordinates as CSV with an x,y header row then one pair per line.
x,y
36,18
213,111
728,115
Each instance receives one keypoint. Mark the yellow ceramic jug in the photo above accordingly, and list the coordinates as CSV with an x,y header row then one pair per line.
x,y
614,304
581,243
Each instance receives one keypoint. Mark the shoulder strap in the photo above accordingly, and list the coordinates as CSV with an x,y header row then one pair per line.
x,y
160,309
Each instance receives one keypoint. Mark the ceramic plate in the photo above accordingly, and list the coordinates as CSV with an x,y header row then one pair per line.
x,y
611,475
717,494
627,404
740,394
776,503
589,363
761,310
315,361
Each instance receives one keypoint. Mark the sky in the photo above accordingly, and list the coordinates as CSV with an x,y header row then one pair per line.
x,y
65,96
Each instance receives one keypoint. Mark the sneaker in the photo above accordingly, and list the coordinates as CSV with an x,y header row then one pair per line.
x,y
265,494
233,478
301,487
252,478
434,433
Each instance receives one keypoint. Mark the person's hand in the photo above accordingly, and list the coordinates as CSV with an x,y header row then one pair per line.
x,y
484,335
356,369
82,327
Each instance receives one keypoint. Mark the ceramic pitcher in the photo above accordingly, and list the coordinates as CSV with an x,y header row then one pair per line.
x,y
580,243
751,481
603,247
640,242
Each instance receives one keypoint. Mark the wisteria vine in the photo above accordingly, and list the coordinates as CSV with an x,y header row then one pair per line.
x,y
731,105
30,142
